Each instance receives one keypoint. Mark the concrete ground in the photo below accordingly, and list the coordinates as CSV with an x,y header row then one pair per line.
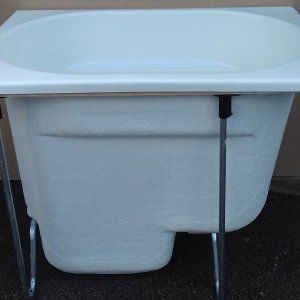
x,y
262,260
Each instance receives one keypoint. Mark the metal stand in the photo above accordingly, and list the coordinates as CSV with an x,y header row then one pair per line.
x,y
15,229
33,226
214,240
218,239
12,216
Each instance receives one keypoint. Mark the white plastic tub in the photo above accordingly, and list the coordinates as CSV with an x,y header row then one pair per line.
x,y
116,127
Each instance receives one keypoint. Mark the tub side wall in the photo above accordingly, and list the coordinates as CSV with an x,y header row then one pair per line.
x,y
122,175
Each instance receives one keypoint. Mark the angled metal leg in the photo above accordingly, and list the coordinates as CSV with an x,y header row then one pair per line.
x,y
32,285
12,216
218,239
15,229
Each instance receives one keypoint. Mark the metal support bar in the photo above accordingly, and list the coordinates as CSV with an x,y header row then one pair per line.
x,y
15,229
214,240
33,226
222,204
218,239
12,216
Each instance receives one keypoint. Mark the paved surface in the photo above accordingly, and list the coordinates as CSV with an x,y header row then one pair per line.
x,y
263,262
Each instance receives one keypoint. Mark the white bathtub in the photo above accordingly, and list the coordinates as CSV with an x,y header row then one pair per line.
x,y
116,126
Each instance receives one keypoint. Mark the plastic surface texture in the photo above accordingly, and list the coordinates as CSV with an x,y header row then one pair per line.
x,y
110,180
171,50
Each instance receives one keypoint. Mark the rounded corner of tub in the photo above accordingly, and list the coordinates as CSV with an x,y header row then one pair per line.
x,y
64,264
244,219
153,263
161,262
58,264
57,261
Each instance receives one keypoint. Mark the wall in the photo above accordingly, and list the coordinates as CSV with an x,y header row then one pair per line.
x,y
7,7
288,163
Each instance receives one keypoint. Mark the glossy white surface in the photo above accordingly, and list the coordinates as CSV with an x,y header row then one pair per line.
x,y
172,50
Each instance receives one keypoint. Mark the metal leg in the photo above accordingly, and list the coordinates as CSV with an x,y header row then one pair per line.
x,y
222,198
214,240
32,286
218,239
15,229
12,216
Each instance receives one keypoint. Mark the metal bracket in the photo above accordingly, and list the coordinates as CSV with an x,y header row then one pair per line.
x,y
218,239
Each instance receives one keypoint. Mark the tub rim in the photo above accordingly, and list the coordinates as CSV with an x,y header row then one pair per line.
x,y
16,80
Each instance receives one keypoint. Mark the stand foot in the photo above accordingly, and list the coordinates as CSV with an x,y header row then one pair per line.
x,y
32,286
214,240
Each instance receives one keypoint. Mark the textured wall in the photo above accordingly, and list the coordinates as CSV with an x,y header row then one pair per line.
x,y
288,163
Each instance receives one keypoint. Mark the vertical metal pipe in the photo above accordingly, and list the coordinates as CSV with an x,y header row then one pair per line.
x,y
12,216
222,204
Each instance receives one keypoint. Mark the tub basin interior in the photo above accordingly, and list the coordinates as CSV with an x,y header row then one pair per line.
x,y
151,41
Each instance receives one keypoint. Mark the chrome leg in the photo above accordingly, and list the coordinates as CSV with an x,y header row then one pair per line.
x,y
32,286
15,229
218,239
12,216
222,201
214,240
